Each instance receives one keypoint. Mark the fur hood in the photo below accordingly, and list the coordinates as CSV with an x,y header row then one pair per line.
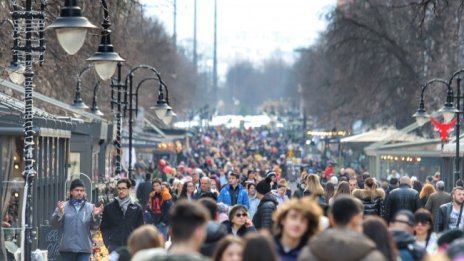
x,y
363,193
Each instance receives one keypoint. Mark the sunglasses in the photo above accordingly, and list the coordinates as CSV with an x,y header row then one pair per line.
x,y
422,223
241,215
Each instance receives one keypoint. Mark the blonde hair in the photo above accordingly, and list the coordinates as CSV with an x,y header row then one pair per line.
x,y
282,181
314,185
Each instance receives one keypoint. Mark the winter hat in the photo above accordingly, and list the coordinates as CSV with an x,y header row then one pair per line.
x,y
263,187
270,173
76,183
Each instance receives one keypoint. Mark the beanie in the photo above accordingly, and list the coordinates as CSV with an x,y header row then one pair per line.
x,y
270,174
263,187
76,183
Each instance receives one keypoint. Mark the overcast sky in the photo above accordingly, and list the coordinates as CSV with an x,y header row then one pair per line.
x,y
247,29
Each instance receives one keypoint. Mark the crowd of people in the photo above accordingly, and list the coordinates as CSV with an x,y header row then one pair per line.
x,y
230,199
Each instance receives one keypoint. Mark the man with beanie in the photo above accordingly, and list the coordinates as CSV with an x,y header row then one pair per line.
x,y
120,217
267,205
75,218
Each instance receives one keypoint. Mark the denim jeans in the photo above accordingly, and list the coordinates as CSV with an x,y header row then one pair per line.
x,y
69,256
163,229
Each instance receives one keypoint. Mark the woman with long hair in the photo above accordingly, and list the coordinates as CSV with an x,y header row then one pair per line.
x,y
376,229
343,188
230,248
371,197
187,191
423,229
425,193
329,191
314,189
176,189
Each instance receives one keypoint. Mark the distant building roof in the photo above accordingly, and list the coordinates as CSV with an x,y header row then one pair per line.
x,y
382,134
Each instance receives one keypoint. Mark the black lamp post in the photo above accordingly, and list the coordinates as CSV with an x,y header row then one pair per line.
x,y
69,29
162,108
29,47
78,102
448,111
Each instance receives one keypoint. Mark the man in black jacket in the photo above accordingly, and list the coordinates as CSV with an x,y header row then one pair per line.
x,y
120,217
267,205
450,214
143,190
214,231
403,197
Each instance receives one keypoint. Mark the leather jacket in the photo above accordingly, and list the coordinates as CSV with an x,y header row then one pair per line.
x,y
403,197
443,217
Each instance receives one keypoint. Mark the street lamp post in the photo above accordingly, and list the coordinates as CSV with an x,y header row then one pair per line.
x,y
448,111
29,47
78,102
121,91
162,108
69,32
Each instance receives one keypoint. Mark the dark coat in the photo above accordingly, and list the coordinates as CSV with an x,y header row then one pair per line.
x,y
443,217
299,193
143,192
241,232
400,198
117,226
290,255
214,233
373,206
263,215
407,247
435,201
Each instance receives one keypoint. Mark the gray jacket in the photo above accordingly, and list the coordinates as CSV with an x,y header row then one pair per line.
x,y
75,227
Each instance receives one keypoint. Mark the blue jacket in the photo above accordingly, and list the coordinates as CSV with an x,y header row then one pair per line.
x,y
75,226
242,198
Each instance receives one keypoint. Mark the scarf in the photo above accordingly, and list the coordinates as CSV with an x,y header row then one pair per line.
x,y
76,202
124,203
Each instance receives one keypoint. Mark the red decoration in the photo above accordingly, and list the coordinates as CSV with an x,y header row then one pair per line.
x,y
444,128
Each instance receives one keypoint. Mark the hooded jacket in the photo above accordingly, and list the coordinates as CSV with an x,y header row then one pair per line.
x,y
75,226
263,215
338,244
406,244
372,206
